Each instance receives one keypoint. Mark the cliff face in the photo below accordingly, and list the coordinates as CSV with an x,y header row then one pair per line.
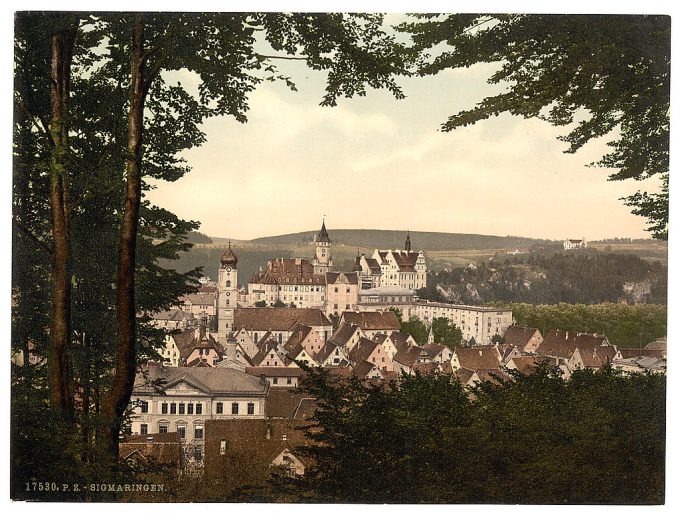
x,y
566,278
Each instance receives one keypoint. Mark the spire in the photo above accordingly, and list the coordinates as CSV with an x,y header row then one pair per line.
x,y
407,244
357,262
323,234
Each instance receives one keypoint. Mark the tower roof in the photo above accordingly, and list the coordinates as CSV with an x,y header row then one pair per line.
x,y
229,258
407,244
323,234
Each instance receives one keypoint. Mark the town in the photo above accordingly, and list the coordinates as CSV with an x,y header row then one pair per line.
x,y
233,354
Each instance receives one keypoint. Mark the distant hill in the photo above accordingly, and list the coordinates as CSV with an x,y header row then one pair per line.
x,y
432,241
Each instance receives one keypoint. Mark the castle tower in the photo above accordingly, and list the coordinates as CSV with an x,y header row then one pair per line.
x,y
227,293
322,258
407,244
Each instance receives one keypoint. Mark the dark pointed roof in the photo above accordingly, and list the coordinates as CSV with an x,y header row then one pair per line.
x,y
229,258
323,234
407,244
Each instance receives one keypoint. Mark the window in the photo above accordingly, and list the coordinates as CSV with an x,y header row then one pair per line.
x,y
251,408
199,408
198,431
173,408
144,429
164,408
289,380
144,406
234,408
275,380
223,447
219,408
190,408
181,408
198,454
182,431
163,428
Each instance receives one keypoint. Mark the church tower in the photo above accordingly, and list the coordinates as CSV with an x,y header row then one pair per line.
x,y
227,294
407,244
322,258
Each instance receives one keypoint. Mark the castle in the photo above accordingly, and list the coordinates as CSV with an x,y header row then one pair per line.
x,y
303,283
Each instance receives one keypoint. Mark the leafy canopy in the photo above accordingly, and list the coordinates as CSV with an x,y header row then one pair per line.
x,y
600,75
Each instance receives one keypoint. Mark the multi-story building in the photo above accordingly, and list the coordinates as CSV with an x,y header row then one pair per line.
x,y
401,268
190,397
478,323
385,298
342,292
292,282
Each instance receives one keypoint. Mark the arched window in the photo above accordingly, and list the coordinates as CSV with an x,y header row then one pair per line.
x,y
228,283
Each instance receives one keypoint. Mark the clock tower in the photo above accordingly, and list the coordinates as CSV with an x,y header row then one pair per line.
x,y
322,258
227,293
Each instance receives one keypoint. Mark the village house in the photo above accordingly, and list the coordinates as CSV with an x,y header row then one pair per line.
x,y
372,322
245,453
278,376
190,397
158,450
561,344
575,244
478,358
280,322
527,339
173,319
402,268
370,351
347,335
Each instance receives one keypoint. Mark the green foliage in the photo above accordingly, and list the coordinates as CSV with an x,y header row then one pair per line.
x,y
573,277
446,333
628,326
601,75
416,329
596,439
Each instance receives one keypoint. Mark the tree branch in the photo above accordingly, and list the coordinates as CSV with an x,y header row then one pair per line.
x,y
33,237
291,58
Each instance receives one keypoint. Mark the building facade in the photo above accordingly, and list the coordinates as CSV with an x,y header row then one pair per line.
x,y
478,323
191,397
227,293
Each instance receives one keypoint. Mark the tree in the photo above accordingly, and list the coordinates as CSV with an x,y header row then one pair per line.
x,y
446,333
603,73
353,49
416,329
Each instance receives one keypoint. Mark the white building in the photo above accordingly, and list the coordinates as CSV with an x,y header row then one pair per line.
x,y
575,244
480,323
192,396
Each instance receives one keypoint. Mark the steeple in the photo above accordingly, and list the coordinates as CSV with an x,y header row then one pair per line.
x,y
323,234
322,258
407,244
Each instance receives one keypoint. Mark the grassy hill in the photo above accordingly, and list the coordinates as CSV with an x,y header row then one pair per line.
x,y
429,241
444,250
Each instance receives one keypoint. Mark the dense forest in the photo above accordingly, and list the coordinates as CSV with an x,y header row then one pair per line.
x,y
425,439
628,326
588,278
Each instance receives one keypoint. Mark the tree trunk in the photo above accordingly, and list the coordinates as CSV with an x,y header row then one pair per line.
x,y
117,399
61,396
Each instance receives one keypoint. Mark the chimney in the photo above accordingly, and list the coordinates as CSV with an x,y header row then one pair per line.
x,y
269,432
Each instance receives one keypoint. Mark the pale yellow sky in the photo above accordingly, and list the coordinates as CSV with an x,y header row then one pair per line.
x,y
376,162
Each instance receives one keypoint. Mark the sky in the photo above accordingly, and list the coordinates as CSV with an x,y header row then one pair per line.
x,y
381,163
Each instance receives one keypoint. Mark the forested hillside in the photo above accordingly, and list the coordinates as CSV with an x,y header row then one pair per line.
x,y
561,277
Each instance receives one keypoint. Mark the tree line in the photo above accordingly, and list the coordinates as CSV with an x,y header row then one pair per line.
x,y
586,278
